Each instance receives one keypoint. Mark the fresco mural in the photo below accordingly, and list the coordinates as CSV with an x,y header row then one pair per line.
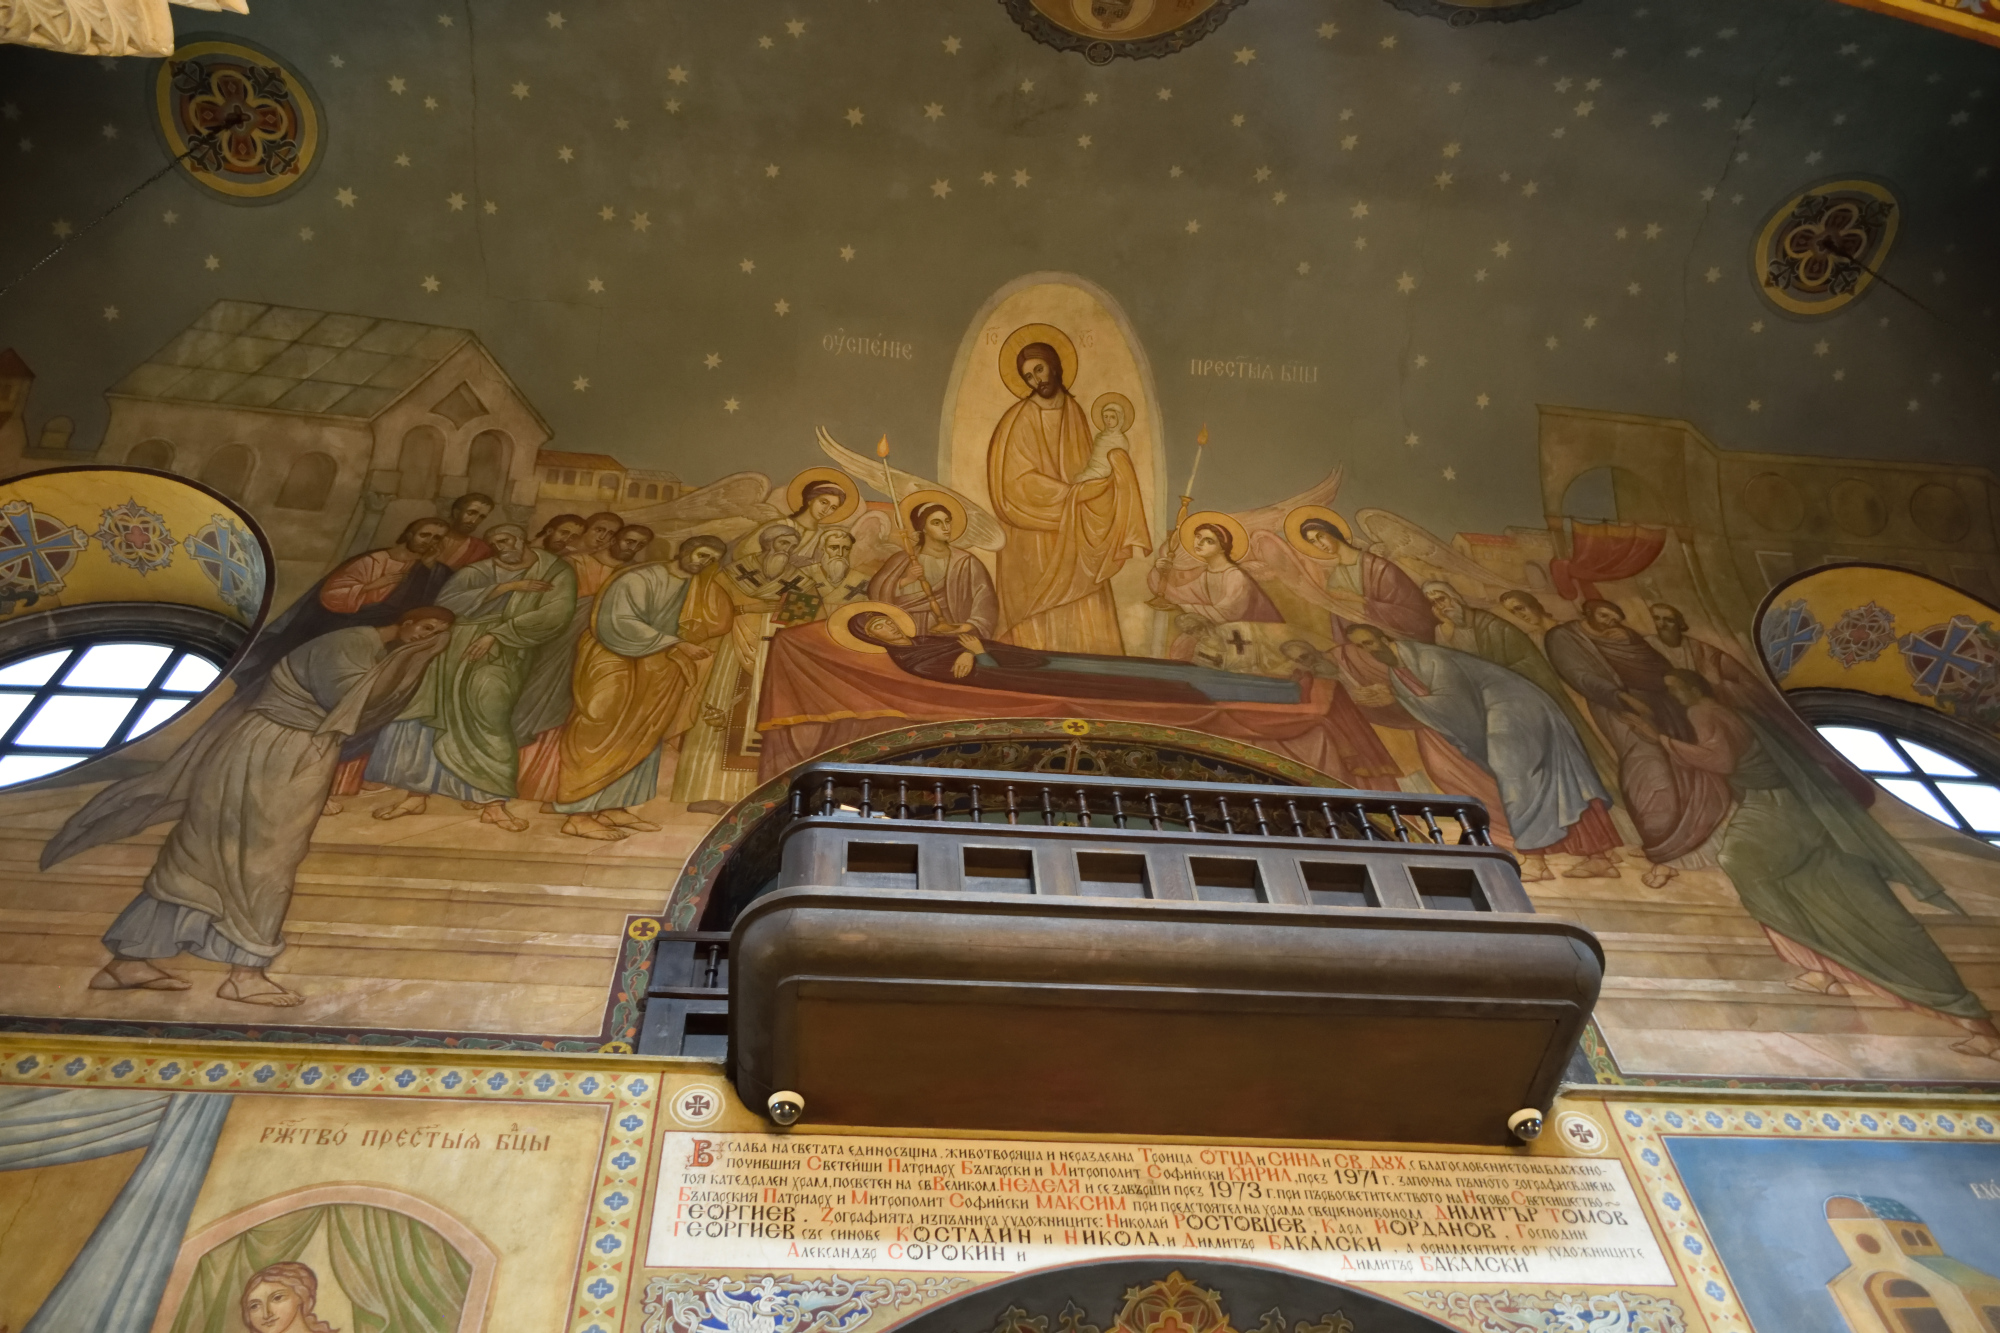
x,y
1340,386
181,1194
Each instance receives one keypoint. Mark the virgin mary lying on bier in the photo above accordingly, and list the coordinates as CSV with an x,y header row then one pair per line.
x,y
988,664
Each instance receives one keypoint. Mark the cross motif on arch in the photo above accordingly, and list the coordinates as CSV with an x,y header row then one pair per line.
x,y
1788,632
226,553
37,550
1948,658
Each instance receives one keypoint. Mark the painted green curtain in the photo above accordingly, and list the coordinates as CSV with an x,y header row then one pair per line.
x,y
401,1276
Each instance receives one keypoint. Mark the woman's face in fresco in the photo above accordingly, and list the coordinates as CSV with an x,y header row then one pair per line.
x,y
271,1308
1204,545
822,506
937,527
1113,417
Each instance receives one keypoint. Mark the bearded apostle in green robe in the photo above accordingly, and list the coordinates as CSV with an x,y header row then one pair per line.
x,y
1814,870
456,737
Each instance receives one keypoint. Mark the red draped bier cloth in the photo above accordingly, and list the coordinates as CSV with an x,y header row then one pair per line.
x,y
819,696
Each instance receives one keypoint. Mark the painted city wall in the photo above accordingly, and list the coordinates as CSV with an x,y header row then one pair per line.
x,y
166,1186
643,401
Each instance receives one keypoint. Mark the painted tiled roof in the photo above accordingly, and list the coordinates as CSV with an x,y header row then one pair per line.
x,y
1889,1210
285,359
558,458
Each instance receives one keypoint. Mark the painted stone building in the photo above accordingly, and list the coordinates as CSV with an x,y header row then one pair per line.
x,y
335,429
1901,1277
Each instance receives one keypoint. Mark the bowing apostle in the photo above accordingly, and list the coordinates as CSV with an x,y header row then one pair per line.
x,y
244,792
638,675
1676,806
1503,722
545,699
456,737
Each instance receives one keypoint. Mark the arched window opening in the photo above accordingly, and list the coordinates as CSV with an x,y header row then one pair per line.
x,y
423,452
308,483
486,464
1955,789
228,470
152,453
61,706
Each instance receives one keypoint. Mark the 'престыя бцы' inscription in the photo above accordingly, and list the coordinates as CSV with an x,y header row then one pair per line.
x,y
1001,1206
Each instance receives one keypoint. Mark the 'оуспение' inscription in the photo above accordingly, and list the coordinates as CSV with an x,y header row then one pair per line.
x,y
1000,1206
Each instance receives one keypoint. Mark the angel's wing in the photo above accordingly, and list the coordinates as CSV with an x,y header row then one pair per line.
x,y
1274,564
875,538
1424,555
982,530
1271,517
727,509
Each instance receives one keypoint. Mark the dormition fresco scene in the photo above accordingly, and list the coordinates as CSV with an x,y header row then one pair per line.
x,y
640,400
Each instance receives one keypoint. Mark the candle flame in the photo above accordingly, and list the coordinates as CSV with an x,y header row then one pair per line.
x,y
882,448
1202,439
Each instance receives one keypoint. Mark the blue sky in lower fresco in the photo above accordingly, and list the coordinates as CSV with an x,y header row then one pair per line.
x,y
1764,1204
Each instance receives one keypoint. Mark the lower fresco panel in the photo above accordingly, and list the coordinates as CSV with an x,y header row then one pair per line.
x,y
154,1187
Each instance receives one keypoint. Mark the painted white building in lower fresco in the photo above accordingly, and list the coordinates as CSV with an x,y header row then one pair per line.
x,y
1899,1279
335,430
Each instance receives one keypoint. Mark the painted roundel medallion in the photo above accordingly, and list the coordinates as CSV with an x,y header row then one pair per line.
x,y
248,126
1822,249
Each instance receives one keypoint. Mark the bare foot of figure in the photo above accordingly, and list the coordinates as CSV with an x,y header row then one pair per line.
x,y
1593,867
249,985
134,974
412,804
374,786
1658,876
1535,869
1816,983
587,826
548,807
331,808
625,819
1983,1046
496,813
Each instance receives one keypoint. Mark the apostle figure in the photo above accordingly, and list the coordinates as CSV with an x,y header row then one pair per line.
x,y
1675,806
637,678
1471,629
599,531
545,693
1066,537
460,547
1814,869
719,616
988,664
955,578
373,588
245,791
1209,583
456,736
1385,595
1504,723
1745,690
